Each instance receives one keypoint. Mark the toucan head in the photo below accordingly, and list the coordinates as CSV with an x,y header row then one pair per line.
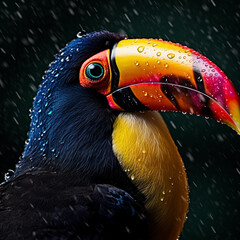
x,y
99,75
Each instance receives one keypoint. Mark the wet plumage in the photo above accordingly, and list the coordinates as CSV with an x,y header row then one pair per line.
x,y
69,180
93,167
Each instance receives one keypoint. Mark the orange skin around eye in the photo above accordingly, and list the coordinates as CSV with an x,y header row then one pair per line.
x,y
102,85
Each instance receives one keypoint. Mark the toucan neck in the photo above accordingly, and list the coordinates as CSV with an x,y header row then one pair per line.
x,y
146,151
73,133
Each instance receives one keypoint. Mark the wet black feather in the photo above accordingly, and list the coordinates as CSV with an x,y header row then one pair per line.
x,y
69,184
40,205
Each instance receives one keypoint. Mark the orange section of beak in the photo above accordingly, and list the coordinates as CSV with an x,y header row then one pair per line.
x,y
160,75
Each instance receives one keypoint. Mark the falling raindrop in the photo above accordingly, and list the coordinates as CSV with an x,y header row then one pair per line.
x,y
158,54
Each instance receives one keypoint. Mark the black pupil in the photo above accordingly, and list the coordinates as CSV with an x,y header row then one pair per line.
x,y
95,70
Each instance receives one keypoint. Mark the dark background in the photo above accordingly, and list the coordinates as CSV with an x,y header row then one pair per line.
x,y
31,32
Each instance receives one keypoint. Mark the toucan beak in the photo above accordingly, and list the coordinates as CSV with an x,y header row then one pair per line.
x,y
147,74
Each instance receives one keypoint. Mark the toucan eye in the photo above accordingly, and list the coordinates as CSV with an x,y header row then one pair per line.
x,y
94,71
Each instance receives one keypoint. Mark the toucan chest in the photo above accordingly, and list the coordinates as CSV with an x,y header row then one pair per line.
x,y
147,153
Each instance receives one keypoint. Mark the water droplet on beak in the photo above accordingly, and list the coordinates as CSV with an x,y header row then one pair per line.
x,y
137,63
171,55
140,49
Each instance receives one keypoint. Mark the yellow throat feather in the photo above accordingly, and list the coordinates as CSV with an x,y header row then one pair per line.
x,y
146,151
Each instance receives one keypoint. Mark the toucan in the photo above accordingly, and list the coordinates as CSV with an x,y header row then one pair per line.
x,y
99,162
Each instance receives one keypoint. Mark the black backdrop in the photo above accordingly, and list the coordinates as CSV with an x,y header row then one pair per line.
x,y
33,31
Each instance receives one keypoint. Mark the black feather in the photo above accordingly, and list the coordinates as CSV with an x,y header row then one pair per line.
x,y
69,184
41,205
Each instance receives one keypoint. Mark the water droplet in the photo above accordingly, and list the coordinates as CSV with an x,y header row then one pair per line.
x,y
166,65
8,174
132,177
163,193
158,62
144,151
154,45
50,112
147,63
162,199
158,54
81,34
169,190
137,63
171,55
140,49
